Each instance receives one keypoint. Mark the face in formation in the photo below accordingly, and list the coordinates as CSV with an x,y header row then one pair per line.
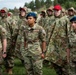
x,y
73,24
49,12
22,13
70,12
57,13
31,20
3,13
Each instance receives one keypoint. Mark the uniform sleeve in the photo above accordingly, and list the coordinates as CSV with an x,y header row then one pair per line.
x,y
3,33
42,35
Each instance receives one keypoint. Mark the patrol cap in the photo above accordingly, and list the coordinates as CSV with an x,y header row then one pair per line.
x,y
31,14
50,8
73,19
43,11
57,7
71,9
24,8
4,10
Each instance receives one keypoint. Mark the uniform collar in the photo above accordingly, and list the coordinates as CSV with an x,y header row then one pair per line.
x,y
32,27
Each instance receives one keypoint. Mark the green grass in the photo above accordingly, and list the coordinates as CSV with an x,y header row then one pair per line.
x,y
20,70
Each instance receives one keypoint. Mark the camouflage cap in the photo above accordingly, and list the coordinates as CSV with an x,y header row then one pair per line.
x,y
50,8
23,8
71,9
43,11
4,10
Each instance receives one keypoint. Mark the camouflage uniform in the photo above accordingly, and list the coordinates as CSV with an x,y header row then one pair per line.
x,y
48,26
42,20
8,24
72,39
73,11
32,54
72,46
48,29
2,36
21,23
58,44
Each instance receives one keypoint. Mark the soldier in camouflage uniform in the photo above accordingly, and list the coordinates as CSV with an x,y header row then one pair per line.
x,y
21,23
58,42
7,24
10,15
63,12
71,12
48,19
47,28
50,11
42,20
3,44
72,41
35,46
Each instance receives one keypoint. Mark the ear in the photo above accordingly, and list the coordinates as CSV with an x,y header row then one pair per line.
x,y
34,19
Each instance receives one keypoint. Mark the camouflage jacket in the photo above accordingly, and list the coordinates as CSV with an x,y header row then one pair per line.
x,y
7,24
72,42
59,40
34,37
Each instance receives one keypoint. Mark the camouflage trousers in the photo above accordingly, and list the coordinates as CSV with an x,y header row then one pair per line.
x,y
18,51
60,70
9,60
18,55
72,69
0,69
33,66
33,63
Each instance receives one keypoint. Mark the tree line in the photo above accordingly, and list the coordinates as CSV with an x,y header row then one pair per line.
x,y
37,4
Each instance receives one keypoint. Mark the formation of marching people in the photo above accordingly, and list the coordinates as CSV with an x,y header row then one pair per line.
x,y
35,37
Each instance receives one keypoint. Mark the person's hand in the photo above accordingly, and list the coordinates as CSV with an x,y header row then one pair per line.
x,y
4,54
68,55
42,55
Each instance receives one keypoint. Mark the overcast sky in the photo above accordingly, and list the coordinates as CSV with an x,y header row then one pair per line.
x,y
10,4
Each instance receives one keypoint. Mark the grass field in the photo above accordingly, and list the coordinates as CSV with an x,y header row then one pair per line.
x,y
20,70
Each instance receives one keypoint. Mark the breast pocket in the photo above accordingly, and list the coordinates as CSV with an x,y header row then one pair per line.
x,y
32,35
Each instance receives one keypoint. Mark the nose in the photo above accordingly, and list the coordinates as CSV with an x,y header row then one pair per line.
x,y
73,24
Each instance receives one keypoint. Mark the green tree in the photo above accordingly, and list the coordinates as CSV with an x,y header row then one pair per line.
x,y
56,2
26,4
31,5
48,3
37,4
42,2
